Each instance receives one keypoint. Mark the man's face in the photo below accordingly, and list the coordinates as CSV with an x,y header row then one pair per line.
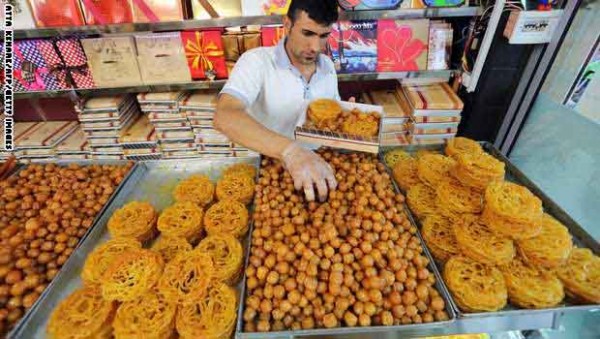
x,y
306,38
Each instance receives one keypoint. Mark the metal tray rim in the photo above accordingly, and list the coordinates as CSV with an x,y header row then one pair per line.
x,y
452,315
565,218
96,222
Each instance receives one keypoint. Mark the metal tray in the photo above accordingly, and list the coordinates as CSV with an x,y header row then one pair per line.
x,y
152,181
434,328
99,216
547,317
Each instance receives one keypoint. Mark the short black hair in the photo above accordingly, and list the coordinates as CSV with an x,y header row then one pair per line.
x,y
324,12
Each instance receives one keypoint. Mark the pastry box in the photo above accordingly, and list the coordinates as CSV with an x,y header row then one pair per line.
x,y
356,116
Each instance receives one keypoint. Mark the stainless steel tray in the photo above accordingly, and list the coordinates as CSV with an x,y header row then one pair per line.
x,y
99,216
434,328
510,315
152,181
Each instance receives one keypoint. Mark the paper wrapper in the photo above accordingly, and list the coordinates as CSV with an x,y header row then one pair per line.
x,y
56,13
271,35
157,10
31,71
440,46
113,61
433,97
402,45
368,5
68,62
107,12
205,55
208,9
161,58
265,7
236,43
353,46
46,134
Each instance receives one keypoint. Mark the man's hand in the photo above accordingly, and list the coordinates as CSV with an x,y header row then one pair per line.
x,y
308,170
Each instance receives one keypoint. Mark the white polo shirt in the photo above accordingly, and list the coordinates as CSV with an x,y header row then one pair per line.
x,y
274,91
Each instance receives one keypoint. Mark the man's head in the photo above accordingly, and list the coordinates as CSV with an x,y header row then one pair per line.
x,y
307,27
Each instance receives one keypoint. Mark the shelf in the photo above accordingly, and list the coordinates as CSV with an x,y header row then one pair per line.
x,y
240,21
217,84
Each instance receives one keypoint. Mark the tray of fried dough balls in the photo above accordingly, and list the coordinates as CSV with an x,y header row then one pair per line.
x,y
166,259
45,212
505,247
352,264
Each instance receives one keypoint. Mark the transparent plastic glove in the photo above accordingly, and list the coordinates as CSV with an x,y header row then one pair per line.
x,y
309,170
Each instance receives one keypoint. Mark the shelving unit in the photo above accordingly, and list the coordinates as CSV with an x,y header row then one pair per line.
x,y
217,84
240,21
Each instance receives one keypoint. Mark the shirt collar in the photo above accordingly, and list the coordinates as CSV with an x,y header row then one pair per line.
x,y
283,61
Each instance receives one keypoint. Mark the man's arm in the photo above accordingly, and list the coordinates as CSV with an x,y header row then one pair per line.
x,y
232,119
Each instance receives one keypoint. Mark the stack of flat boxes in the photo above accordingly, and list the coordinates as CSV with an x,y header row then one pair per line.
x,y
435,113
37,141
104,119
395,123
173,130
74,147
140,142
199,108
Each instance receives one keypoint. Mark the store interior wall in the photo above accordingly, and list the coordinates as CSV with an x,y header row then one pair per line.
x,y
486,108
558,146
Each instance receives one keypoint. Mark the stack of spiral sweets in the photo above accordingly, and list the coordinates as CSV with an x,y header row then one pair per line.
x,y
495,240
181,284
44,212
354,260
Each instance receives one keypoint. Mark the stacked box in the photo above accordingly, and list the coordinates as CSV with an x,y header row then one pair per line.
x,y
140,142
395,122
435,112
199,107
104,120
74,147
36,141
173,131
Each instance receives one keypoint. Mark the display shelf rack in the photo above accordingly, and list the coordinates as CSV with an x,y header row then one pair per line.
x,y
217,84
239,21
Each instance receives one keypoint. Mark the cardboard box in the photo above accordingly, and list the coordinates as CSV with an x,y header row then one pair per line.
x,y
113,61
353,46
107,12
216,9
265,7
161,58
157,10
340,140
402,45
57,13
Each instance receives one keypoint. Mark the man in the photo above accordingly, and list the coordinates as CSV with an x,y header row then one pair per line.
x,y
267,92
